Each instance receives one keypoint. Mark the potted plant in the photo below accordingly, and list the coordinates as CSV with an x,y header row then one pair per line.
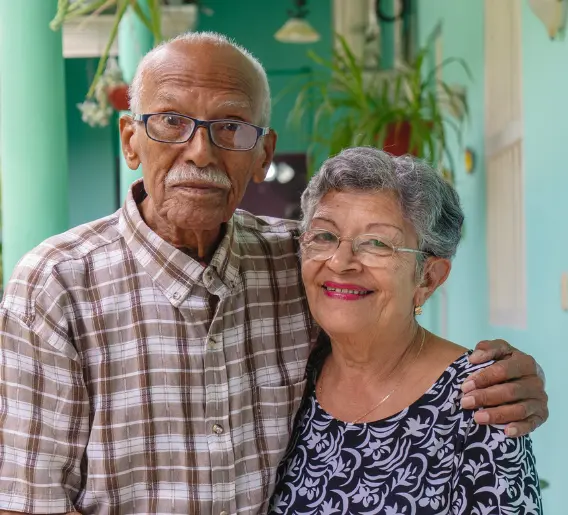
x,y
403,110
108,91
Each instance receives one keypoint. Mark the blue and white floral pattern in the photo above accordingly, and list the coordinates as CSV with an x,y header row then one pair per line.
x,y
431,458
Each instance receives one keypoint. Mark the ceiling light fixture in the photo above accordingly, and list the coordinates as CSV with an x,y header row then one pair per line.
x,y
297,29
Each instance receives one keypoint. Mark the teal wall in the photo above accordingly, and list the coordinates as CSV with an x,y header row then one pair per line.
x,y
252,23
465,319
545,106
92,151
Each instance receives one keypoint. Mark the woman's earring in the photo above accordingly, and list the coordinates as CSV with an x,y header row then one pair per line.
x,y
418,310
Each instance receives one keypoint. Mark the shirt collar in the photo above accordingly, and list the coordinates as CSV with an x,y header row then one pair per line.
x,y
173,271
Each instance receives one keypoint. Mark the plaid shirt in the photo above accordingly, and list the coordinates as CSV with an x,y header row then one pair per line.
x,y
134,380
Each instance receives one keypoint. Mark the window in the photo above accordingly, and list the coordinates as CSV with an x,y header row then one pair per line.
x,y
504,164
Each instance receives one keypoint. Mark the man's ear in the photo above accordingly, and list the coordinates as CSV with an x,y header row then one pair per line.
x,y
268,149
128,140
435,273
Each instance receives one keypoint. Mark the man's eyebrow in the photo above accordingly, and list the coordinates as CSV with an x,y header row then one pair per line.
x,y
234,104
165,96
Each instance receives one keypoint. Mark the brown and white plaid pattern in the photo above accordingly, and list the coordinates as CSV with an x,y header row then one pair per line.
x,y
134,380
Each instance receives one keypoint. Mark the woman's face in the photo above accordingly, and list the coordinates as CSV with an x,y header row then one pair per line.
x,y
387,292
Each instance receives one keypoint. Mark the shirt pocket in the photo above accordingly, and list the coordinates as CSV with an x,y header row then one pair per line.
x,y
277,408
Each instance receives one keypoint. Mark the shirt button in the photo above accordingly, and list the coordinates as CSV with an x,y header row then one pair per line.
x,y
176,295
211,343
217,429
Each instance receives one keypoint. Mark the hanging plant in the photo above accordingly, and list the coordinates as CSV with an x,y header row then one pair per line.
x,y
110,94
108,91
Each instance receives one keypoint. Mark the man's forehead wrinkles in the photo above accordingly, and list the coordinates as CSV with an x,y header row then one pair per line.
x,y
163,86
228,98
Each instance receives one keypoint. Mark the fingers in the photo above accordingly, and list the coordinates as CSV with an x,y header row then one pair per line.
x,y
530,387
525,426
522,418
516,365
487,350
522,404
509,413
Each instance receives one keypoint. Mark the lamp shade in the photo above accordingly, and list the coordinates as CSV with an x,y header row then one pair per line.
x,y
297,30
552,13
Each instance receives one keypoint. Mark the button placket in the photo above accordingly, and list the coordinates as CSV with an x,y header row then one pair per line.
x,y
217,410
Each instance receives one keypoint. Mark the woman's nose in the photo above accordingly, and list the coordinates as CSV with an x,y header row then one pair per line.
x,y
343,259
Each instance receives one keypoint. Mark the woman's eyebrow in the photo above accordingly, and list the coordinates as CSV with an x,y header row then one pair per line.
x,y
324,219
379,224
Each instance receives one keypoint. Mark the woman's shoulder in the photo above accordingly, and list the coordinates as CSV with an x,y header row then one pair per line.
x,y
464,368
455,358
450,368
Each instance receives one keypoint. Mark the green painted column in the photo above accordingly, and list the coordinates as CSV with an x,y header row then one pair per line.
x,y
387,35
134,41
33,128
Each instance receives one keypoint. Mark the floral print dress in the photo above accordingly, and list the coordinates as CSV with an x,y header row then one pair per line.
x,y
431,458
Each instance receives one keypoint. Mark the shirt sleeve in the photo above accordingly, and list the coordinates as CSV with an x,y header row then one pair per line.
x,y
44,420
496,474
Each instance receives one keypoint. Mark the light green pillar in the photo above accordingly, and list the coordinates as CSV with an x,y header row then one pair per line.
x,y
387,35
33,128
134,41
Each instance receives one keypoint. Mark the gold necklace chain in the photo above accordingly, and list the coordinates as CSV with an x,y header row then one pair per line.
x,y
388,395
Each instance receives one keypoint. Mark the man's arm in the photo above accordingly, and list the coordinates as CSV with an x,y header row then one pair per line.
x,y
45,420
512,389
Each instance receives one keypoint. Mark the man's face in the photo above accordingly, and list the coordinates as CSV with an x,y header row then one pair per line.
x,y
205,82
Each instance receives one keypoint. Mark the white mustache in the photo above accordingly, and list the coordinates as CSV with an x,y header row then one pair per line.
x,y
193,173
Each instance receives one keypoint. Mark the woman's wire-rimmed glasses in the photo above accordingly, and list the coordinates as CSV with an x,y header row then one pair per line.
x,y
370,249
178,128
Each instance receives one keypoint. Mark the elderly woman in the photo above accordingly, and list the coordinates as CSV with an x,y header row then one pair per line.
x,y
381,429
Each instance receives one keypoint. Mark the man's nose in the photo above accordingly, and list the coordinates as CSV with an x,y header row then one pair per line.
x,y
199,150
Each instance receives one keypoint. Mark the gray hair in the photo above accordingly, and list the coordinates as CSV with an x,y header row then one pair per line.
x,y
136,87
427,200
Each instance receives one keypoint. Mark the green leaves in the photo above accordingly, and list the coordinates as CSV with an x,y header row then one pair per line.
x,y
352,105
67,11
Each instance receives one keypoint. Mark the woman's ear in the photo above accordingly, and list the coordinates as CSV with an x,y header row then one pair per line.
x,y
434,274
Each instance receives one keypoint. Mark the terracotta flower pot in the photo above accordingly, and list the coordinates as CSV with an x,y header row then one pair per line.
x,y
397,140
118,97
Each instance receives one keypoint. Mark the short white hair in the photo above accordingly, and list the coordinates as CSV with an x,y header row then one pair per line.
x,y
136,87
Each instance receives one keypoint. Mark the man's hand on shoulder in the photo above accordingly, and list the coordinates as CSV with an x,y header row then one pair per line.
x,y
512,389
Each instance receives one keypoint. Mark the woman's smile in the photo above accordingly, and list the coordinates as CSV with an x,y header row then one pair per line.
x,y
344,291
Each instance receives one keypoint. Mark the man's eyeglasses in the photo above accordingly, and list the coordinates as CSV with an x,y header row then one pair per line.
x,y
370,249
178,128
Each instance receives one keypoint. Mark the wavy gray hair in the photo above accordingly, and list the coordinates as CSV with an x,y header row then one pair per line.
x,y
427,200
135,91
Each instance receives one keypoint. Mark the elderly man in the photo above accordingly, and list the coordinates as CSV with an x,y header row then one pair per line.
x,y
153,361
